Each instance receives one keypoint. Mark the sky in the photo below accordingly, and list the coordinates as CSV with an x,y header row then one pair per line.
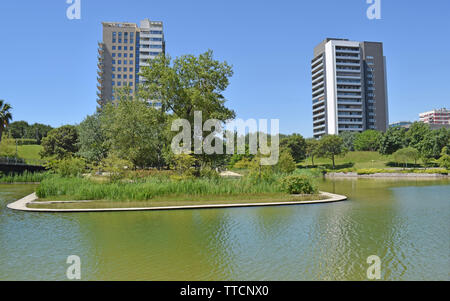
x,y
49,63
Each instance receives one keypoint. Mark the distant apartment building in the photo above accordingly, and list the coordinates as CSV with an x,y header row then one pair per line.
x,y
402,124
126,48
436,117
349,89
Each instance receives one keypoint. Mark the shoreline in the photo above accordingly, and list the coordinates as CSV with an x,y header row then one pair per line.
x,y
21,205
386,175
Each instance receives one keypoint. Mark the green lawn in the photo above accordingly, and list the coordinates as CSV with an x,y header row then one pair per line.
x,y
30,153
360,160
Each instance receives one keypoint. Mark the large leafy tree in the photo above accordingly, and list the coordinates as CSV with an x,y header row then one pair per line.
x,y
23,130
187,84
393,140
60,142
368,141
312,146
331,146
92,139
135,132
296,145
416,133
349,139
5,116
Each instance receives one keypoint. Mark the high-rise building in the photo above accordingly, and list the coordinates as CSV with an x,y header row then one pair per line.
x,y
349,89
125,49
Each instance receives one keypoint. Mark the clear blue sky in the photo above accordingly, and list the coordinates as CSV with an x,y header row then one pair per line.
x,y
49,63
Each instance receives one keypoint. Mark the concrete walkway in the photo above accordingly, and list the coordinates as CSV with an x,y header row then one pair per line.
x,y
21,205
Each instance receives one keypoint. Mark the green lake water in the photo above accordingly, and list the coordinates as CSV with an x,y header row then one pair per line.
x,y
405,223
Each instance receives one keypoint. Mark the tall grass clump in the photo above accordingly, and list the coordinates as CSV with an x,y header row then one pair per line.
x,y
25,177
150,188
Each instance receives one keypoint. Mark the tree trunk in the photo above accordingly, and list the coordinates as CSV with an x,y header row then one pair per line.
x,y
333,162
312,161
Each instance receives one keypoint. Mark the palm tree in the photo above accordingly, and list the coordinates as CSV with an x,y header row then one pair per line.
x,y
5,116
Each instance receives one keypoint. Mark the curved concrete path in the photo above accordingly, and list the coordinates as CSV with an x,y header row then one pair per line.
x,y
21,205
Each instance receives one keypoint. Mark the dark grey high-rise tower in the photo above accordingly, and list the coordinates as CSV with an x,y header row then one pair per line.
x,y
349,88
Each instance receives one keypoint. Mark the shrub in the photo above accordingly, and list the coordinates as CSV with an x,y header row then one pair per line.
x,y
286,163
444,161
298,184
115,167
244,163
67,167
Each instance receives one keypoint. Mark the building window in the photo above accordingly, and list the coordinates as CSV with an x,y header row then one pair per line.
x,y
120,54
113,83
124,76
114,62
125,55
131,76
114,48
119,83
113,55
155,46
119,76
113,76
131,62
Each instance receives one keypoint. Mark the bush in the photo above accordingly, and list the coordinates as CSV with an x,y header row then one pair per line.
x,y
115,167
68,167
298,184
444,161
286,164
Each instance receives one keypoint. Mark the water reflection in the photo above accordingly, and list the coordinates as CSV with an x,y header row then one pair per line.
x,y
406,223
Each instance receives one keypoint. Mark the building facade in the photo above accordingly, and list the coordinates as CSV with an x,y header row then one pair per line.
x,y
126,48
349,88
436,117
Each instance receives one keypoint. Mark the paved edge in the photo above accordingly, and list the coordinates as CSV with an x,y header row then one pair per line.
x,y
21,205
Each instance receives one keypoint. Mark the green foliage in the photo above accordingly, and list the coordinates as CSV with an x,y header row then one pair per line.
x,y
189,83
24,141
416,133
22,130
368,141
7,147
312,146
244,163
331,146
258,172
348,139
61,142
286,163
444,161
67,167
25,177
92,139
150,188
298,184
115,167
5,116
406,155
184,164
135,131
393,140
296,145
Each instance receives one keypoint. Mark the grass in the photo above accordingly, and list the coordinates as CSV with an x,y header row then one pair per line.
x,y
30,153
25,177
352,159
58,188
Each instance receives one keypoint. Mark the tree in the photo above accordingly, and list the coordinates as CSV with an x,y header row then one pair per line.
x,y
405,155
368,141
444,160
188,84
7,147
92,139
5,116
22,130
349,139
296,145
416,133
286,163
331,146
393,140
311,148
60,142
135,131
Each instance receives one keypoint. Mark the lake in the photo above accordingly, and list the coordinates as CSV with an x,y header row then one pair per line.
x,y
405,223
